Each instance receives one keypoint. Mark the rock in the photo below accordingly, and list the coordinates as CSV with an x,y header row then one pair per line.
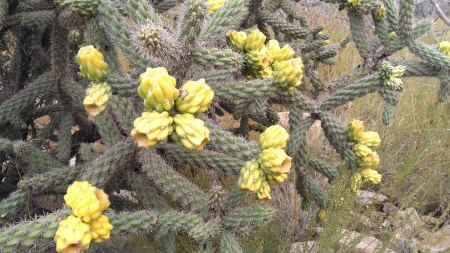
x,y
389,208
368,244
368,198
363,244
438,241
348,237
309,246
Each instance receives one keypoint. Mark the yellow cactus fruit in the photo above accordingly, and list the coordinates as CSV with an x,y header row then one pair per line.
x,y
86,201
251,177
72,236
152,128
97,98
370,139
275,160
392,35
256,60
353,3
355,182
444,47
254,41
275,177
354,130
191,132
288,74
265,73
322,215
273,137
92,64
195,97
158,90
214,5
380,13
100,229
264,192
366,157
277,54
326,42
236,40
371,175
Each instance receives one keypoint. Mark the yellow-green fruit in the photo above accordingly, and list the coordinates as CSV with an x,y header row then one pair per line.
x,y
370,139
273,137
214,5
279,54
354,130
371,175
355,182
380,13
322,215
100,229
150,37
254,41
195,97
265,73
251,177
72,236
191,132
236,40
157,88
392,35
275,177
264,192
97,98
444,47
288,74
353,3
256,60
152,128
366,157
275,160
86,201
92,64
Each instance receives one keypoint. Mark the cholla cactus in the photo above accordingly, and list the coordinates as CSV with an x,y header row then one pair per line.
x,y
185,75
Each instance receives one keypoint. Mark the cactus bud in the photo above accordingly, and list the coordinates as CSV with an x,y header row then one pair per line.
x,y
288,74
353,4
157,88
97,98
152,128
273,137
150,37
195,97
380,13
371,175
275,160
72,235
236,40
100,229
392,35
92,64
190,132
254,41
390,76
354,130
214,5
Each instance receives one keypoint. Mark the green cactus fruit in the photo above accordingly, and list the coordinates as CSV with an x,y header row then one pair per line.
x,y
354,130
273,137
256,60
100,229
86,201
92,64
353,4
254,41
277,54
371,175
158,90
236,40
264,192
366,157
370,139
190,132
380,13
216,198
195,97
390,76
150,37
275,160
72,235
152,128
288,74
251,177
97,98
275,178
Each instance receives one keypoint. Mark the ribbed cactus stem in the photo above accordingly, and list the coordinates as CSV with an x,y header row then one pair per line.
x,y
405,21
358,34
248,216
205,159
429,54
228,243
244,90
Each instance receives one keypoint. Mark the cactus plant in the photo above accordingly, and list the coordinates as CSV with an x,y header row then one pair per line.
x,y
127,51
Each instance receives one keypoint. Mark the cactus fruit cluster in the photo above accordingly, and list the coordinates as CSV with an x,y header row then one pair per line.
x,y
237,58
